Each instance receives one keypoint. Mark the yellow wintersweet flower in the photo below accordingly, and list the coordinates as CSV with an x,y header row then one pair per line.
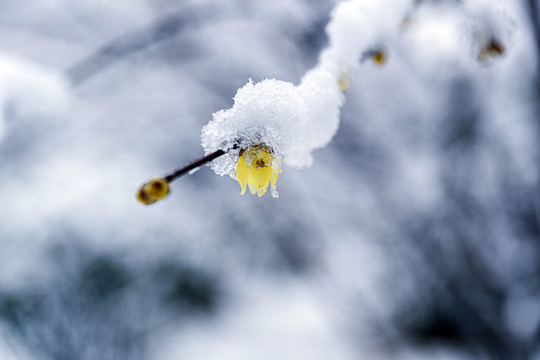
x,y
379,57
494,48
344,82
153,191
254,168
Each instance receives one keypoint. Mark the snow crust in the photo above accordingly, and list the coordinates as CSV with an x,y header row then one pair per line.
x,y
292,119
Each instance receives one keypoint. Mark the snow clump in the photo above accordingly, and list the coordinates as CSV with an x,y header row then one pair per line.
x,y
295,120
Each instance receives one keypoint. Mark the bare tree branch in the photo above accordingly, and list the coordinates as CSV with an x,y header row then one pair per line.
x,y
131,43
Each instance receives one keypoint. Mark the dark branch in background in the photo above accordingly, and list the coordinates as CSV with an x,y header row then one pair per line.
x,y
131,43
535,19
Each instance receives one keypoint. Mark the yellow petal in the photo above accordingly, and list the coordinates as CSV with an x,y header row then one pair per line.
x,y
254,168
262,178
242,173
252,188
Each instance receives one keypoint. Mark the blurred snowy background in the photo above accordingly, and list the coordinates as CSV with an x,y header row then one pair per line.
x,y
415,234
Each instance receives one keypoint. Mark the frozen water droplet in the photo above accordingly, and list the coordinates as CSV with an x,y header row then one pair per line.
x,y
193,171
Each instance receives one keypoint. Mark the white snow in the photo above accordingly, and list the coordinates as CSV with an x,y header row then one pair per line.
x,y
29,88
74,184
295,120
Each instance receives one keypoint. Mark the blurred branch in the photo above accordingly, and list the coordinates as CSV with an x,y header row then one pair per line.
x,y
473,309
126,45
535,19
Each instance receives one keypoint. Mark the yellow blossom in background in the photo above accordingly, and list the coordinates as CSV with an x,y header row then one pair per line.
x,y
153,191
379,57
494,48
254,169
344,82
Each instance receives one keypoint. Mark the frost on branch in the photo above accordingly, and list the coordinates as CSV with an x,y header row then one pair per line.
x,y
292,121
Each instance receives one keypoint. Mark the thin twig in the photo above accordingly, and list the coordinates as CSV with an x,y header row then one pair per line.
x,y
195,164
158,188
